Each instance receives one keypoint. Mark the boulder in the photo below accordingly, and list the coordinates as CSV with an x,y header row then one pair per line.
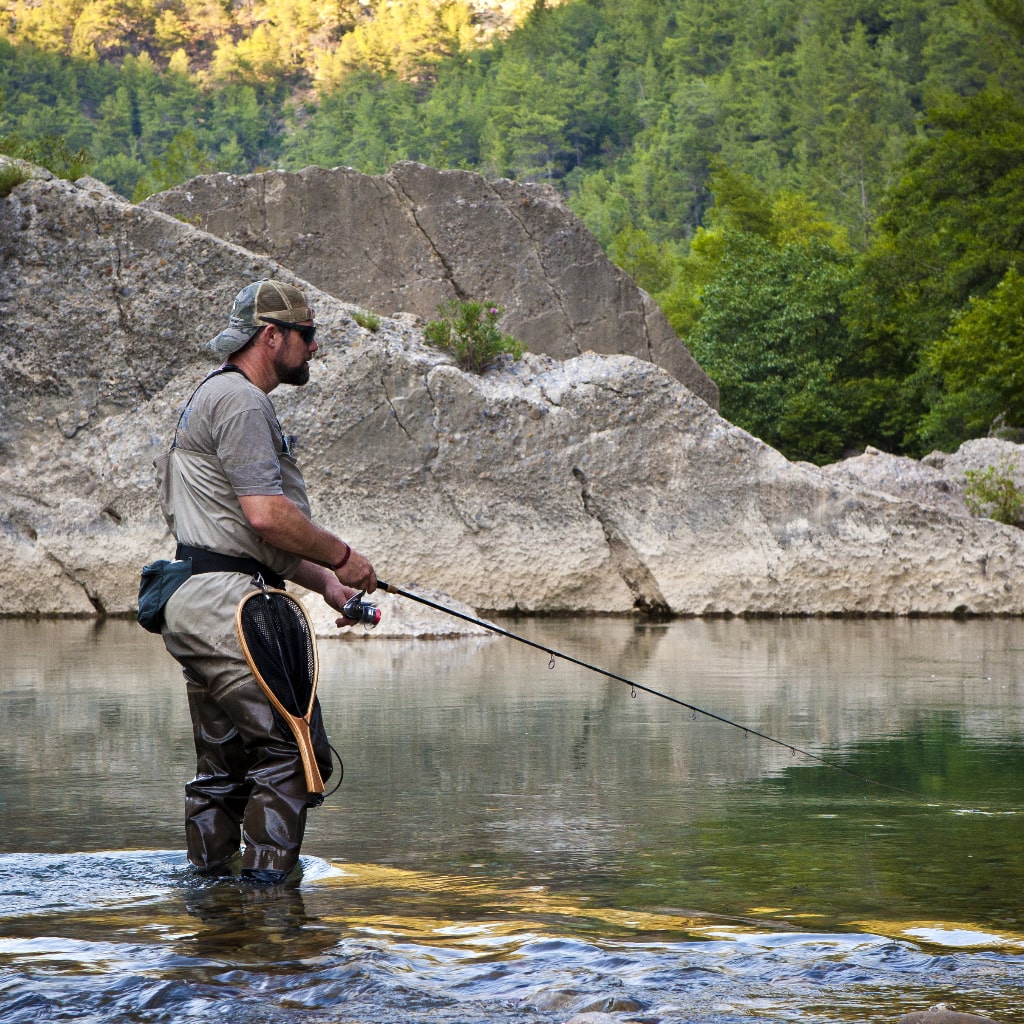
x,y
940,1013
901,477
939,479
416,237
594,484
980,454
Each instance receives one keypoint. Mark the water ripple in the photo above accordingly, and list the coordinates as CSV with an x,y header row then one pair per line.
x,y
135,937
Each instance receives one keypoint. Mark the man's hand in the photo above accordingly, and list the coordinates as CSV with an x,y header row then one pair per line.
x,y
357,572
335,595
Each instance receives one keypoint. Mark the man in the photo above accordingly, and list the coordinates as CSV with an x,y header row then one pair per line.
x,y
236,502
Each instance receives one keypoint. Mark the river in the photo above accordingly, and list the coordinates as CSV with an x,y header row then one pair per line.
x,y
520,839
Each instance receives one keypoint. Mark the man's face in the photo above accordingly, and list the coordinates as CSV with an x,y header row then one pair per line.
x,y
291,360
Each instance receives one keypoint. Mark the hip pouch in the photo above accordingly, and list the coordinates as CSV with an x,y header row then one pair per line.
x,y
159,580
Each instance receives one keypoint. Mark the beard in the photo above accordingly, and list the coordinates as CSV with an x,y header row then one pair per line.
x,y
294,375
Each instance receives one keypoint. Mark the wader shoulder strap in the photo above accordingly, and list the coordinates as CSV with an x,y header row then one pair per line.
x,y
226,368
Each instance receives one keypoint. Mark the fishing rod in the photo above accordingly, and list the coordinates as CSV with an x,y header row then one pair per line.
x,y
634,686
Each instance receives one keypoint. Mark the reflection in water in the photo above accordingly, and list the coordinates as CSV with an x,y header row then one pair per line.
x,y
519,844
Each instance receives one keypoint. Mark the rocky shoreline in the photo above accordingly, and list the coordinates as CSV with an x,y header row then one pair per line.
x,y
596,484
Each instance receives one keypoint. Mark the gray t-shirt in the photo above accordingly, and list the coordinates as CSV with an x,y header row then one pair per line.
x,y
228,443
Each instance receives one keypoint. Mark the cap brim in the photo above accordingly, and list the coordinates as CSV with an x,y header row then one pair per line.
x,y
230,340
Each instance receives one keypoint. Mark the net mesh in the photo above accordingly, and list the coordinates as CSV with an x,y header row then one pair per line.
x,y
282,646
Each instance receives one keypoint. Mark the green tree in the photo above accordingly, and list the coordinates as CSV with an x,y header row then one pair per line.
x,y
759,302
951,231
183,160
740,208
48,25
854,119
469,331
993,492
647,262
770,335
1009,13
524,136
981,364
101,29
704,37
405,38
450,119
206,22
121,171
368,123
117,125
661,186
49,151
239,121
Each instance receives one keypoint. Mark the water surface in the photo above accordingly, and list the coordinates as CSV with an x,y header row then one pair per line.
x,y
519,843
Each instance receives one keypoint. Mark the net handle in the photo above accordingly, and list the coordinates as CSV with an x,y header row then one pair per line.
x,y
299,727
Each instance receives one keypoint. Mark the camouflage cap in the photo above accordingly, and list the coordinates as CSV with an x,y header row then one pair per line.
x,y
252,306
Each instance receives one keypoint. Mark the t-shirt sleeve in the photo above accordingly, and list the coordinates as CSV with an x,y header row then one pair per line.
x,y
245,444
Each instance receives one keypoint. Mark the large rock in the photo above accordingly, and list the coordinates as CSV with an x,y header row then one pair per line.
x,y
416,237
940,479
598,484
901,477
940,1013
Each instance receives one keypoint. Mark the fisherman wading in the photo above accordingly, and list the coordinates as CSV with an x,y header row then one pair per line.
x,y
236,502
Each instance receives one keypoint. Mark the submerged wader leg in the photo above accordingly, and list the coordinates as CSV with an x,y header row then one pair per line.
x,y
215,799
249,777
250,786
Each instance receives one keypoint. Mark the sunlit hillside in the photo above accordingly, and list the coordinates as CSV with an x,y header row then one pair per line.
x,y
825,197
263,38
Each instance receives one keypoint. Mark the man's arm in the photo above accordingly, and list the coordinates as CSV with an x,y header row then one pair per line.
x,y
281,523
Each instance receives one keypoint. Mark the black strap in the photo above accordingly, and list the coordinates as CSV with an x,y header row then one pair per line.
x,y
204,560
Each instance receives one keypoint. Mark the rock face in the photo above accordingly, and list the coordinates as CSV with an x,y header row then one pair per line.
x,y
938,479
416,237
597,484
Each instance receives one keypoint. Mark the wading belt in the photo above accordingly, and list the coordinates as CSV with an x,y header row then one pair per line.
x,y
213,561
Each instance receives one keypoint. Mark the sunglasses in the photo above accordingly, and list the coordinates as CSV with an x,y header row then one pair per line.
x,y
307,331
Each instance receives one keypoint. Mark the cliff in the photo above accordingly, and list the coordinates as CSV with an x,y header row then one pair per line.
x,y
595,484
411,239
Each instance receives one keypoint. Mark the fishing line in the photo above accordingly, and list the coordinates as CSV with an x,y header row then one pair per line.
x,y
634,686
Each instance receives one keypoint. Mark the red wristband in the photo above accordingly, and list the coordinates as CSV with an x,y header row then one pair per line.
x,y
344,559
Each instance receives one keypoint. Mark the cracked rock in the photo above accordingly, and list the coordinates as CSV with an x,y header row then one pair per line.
x,y
416,237
626,492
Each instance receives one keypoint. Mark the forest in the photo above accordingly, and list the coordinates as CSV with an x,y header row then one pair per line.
x,y
826,197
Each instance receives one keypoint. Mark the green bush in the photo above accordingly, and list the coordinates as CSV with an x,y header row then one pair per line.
x,y
993,493
367,320
469,331
11,175
49,151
